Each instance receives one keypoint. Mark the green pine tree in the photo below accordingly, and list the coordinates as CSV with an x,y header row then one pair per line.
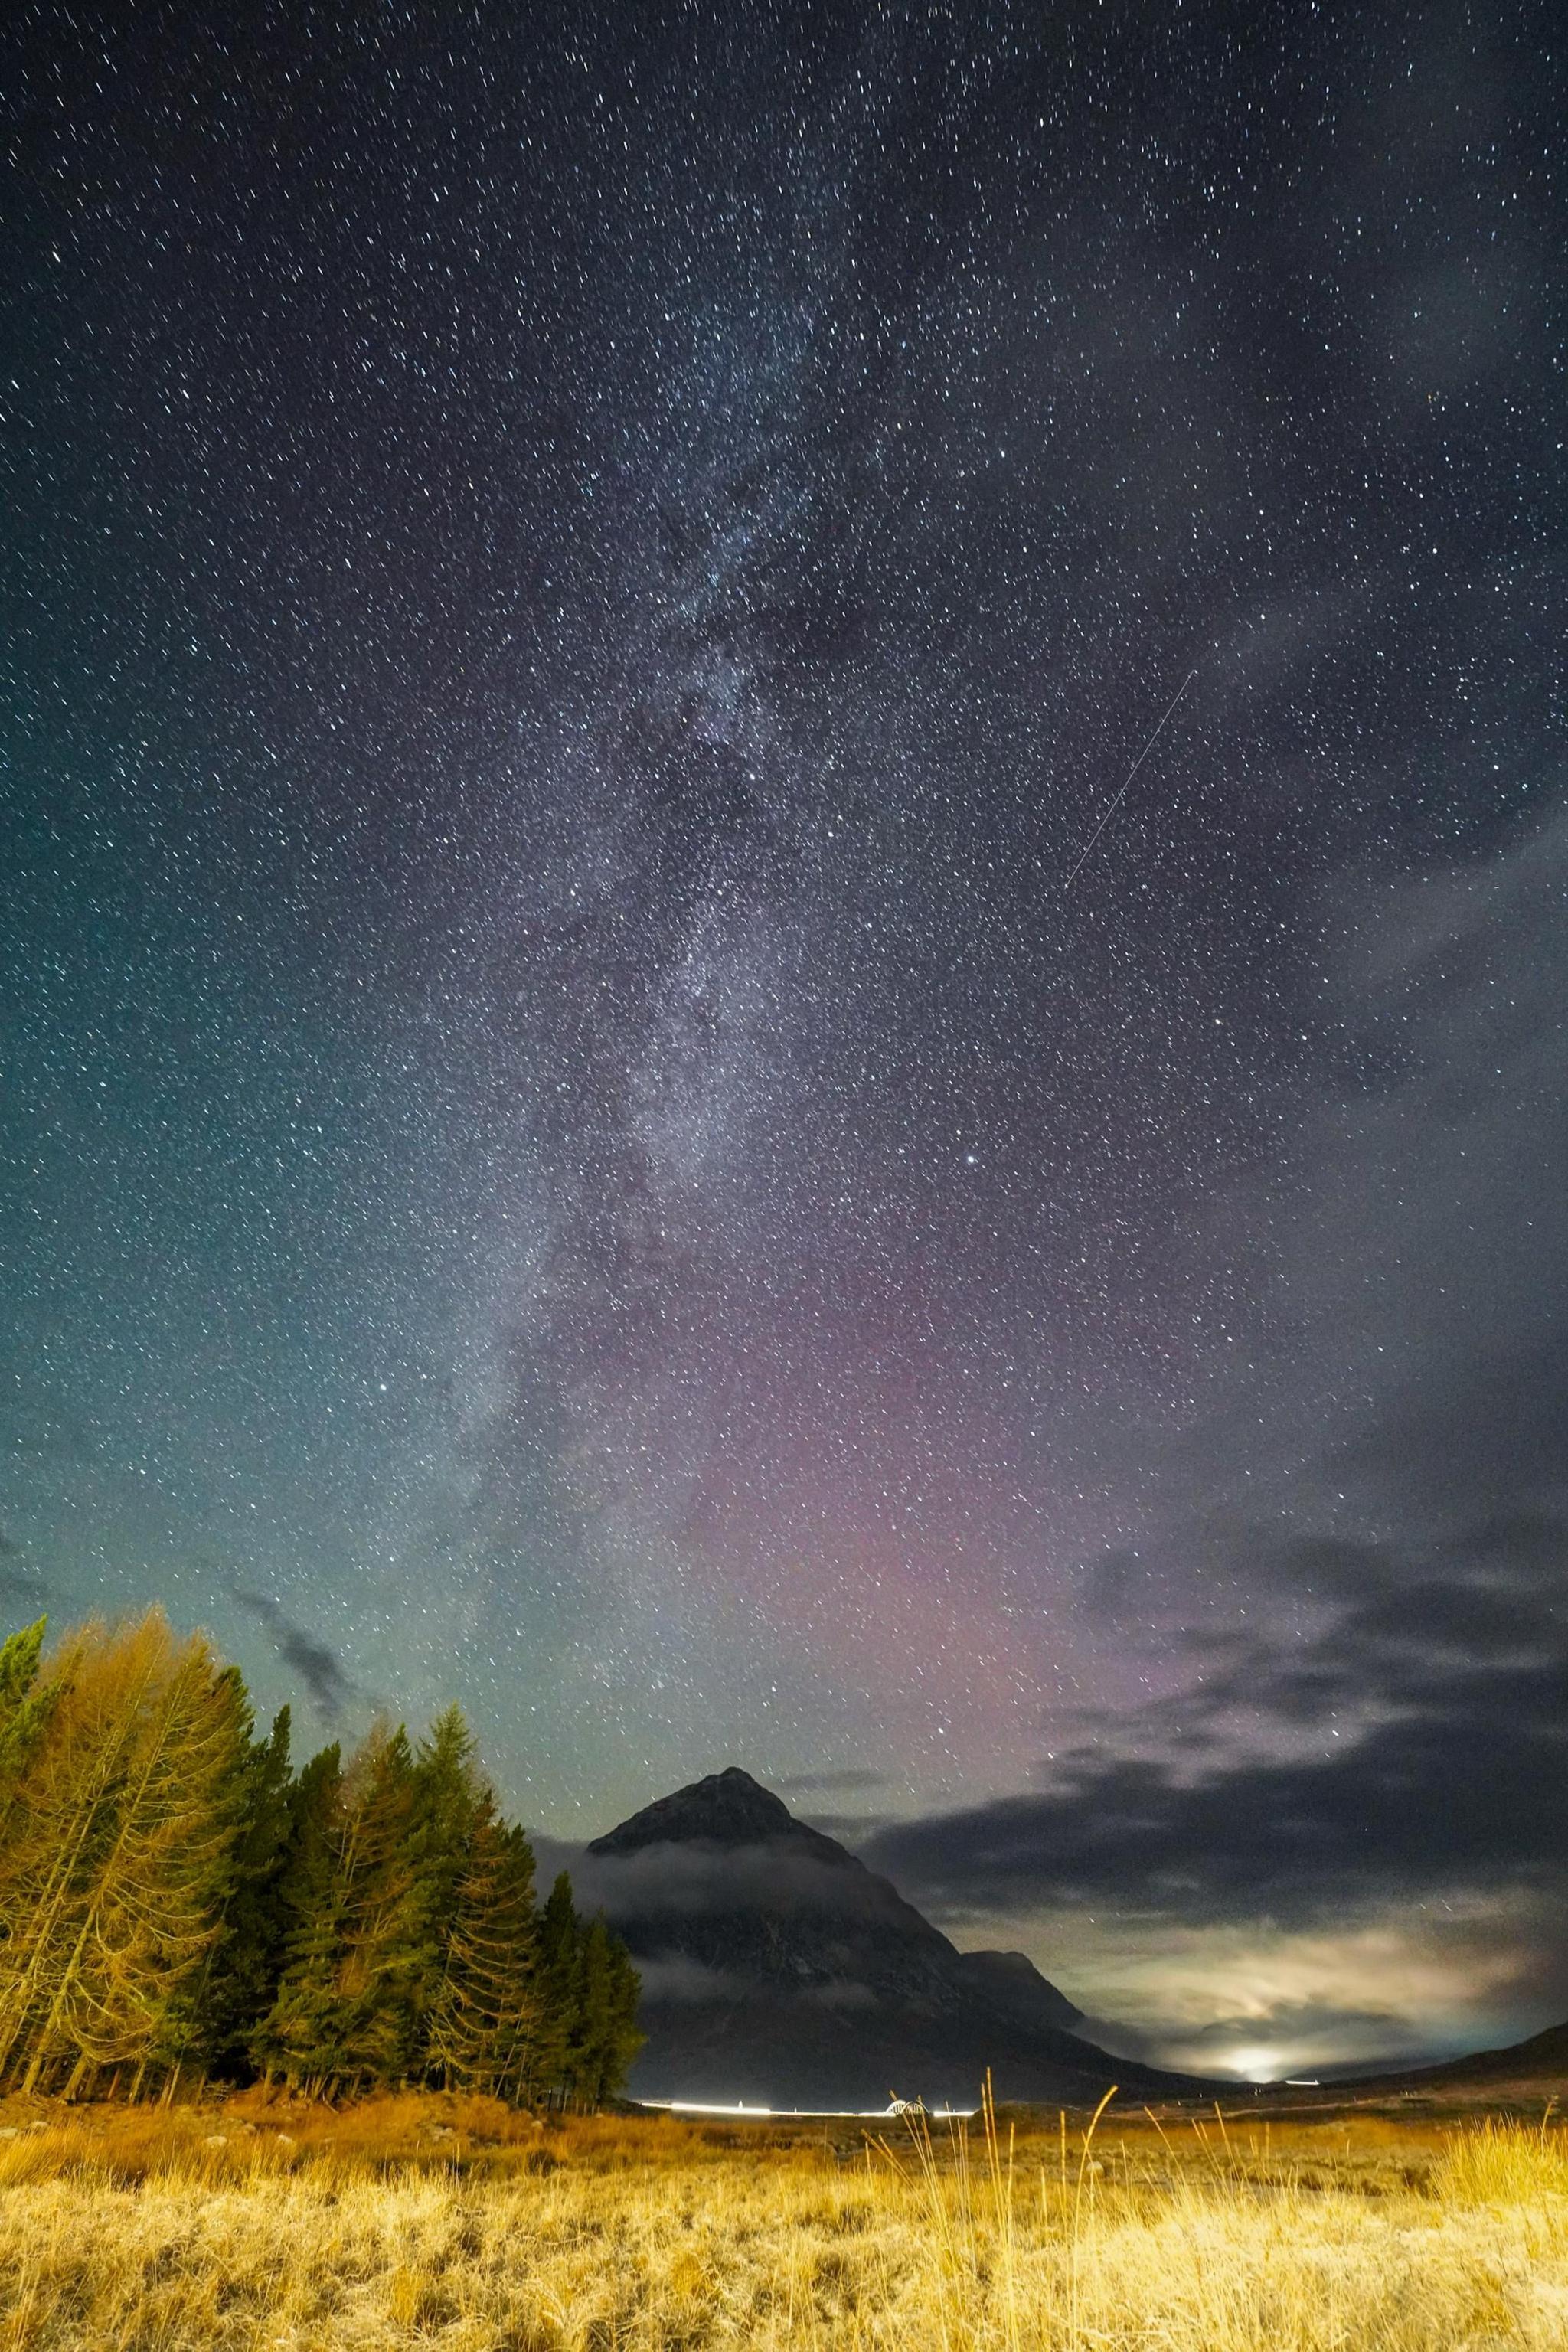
x,y
607,2035
381,1965
448,1799
19,1657
26,1705
243,1970
559,1995
482,2024
300,2036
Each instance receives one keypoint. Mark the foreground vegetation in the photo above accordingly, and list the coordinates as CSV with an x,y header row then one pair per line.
x,y
176,1903
463,2223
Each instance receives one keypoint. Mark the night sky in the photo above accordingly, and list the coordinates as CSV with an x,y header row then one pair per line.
x,y
576,583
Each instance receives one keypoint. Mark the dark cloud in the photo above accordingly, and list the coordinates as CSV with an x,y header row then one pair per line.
x,y
1484,1434
1267,2042
697,1880
679,1978
849,1828
849,1780
19,1579
553,1856
320,1668
1433,1708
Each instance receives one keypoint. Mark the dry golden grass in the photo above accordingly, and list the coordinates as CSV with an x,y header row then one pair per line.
x,y
454,2224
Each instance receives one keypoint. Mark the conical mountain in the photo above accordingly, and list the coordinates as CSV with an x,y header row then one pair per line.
x,y
778,1969
727,1809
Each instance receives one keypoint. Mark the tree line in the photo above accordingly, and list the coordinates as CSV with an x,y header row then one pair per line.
x,y
177,1903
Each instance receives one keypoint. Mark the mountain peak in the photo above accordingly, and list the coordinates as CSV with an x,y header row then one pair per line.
x,y
727,1808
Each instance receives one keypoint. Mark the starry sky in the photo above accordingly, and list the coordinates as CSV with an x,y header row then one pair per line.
x,y
580,1131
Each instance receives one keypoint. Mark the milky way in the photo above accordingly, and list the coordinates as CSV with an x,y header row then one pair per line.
x,y
589,1125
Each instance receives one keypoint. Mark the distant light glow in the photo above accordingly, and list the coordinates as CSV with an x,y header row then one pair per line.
x,y
745,2108
1256,2065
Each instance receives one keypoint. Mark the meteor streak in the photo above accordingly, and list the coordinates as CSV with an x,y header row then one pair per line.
x,y
1132,772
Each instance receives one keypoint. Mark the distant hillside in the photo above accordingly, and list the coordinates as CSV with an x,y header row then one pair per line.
x,y
1540,2061
777,1969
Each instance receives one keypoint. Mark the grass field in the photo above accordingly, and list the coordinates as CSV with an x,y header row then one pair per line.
x,y
455,2223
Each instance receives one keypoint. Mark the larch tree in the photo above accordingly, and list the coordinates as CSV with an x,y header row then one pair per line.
x,y
132,1899
62,1812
